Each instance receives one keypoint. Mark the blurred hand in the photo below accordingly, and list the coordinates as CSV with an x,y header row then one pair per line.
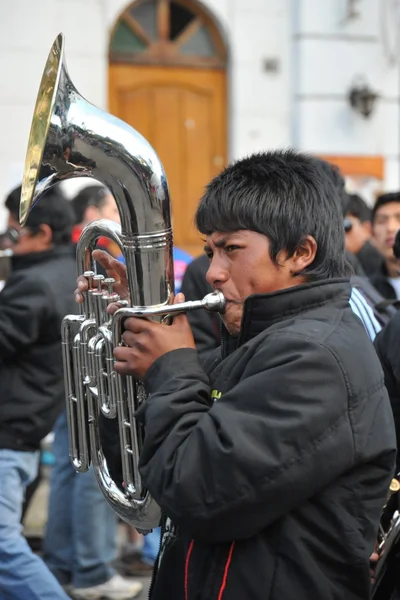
x,y
146,341
115,269
373,559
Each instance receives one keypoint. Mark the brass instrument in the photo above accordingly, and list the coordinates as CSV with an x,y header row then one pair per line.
x,y
388,545
70,137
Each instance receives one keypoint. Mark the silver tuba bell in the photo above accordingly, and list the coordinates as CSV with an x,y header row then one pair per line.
x,y
70,137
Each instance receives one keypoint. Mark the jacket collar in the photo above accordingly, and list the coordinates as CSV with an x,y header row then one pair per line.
x,y
263,310
23,261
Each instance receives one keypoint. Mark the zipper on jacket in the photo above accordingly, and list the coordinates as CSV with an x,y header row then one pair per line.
x,y
163,522
218,565
226,571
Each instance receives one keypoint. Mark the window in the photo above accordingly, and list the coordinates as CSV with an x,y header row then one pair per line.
x,y
167,32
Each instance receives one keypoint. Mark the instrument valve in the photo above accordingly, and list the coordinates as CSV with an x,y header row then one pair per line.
x,y
89,276
99,280
89,310
109,281
110,296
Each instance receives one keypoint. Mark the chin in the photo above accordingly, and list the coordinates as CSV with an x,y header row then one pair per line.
x,y
232,328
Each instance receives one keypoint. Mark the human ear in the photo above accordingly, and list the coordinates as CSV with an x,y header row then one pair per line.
x,y
304,254
46,233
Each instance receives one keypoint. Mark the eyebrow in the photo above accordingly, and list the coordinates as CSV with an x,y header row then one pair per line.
x,y
218,244
386,216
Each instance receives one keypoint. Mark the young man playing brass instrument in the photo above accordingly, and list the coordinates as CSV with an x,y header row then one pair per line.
x,y
273,459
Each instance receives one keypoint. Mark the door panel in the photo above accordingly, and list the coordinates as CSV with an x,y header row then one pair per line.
x,y
182,113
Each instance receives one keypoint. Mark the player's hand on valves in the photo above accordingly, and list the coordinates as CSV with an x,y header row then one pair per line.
x,y
146,341
115,269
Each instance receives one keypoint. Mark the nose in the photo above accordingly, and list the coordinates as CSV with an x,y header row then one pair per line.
x,y
217,273
393,225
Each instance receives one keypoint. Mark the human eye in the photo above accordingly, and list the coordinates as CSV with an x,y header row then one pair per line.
x,y
231,248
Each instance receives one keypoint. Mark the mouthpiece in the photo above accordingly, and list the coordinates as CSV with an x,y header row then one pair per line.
x,y
214,302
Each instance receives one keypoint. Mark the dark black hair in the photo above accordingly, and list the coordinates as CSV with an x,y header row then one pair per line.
x,y
358,208
335,175
91,195
285,195
384,199
52,209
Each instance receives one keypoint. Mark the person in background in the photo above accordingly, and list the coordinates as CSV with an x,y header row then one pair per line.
x,y
80,539
363,298
91,203
387,344
358,228
385,225
182,260
33,302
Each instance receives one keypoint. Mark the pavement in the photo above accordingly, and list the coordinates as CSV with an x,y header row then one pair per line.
x,y
36,517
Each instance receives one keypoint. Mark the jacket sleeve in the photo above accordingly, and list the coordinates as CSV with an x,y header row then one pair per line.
x,y
228,469
23,308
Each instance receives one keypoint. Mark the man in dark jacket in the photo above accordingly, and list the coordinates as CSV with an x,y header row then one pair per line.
x,y
273,461
385,225
358,230
33,302
387,345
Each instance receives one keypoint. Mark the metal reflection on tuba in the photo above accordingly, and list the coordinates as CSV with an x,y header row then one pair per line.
x,y
70,137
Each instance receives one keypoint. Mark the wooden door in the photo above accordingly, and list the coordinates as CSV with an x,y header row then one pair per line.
x,y
182,113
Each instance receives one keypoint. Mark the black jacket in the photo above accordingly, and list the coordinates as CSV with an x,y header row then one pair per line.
x,y
36,297
355,264
370,259
383,309
274,463
387,344
381,282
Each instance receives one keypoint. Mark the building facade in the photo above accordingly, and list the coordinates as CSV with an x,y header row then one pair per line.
x,y
210,81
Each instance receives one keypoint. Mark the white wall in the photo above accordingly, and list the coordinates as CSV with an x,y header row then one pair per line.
x,y
259,31
27,31
330,53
